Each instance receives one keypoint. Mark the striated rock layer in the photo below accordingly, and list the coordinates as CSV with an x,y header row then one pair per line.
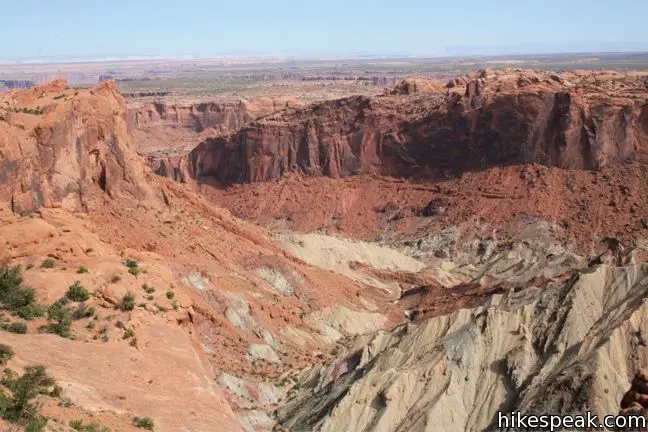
x,y
567,348
486,119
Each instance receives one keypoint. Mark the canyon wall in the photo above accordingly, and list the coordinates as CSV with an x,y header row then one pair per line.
x,y
482,120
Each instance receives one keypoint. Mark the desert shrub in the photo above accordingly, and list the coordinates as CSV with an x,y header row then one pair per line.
x,y
48,263
143,422
149,289
36,425
115,278
31,311
13,295
18,407
133,267
60,320
6,354
170,294
82,311
127,302
15,327
76,292
94,426
82,270
89,250
61,96
129,334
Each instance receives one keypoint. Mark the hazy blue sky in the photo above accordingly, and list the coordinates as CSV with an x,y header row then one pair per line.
x,y
72,28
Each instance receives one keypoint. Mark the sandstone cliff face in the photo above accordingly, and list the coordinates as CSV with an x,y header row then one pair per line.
x,y
39,167
495,119
155,121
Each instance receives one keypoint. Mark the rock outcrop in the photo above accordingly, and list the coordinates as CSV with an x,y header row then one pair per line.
x,y
503,118
567,348
39,167
417,85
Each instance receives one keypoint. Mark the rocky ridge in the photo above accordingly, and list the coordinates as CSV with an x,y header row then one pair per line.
x,y
483,120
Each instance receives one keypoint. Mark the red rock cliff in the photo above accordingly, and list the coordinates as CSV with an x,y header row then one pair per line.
x,y
65,147
485,119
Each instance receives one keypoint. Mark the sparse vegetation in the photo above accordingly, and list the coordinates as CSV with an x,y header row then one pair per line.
x,y
149,289
115,278
15,297
31,311
94,426
82,270
89,250
76,292
18,406
143,422
133,267
15,327
6,354
59,318
61,96
34,111
170,294
127,302
129,334
48,263
82,311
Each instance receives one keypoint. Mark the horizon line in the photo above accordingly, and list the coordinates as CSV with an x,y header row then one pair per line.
x,y
286,57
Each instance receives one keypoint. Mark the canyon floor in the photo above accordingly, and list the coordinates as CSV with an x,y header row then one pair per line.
x,y
415,259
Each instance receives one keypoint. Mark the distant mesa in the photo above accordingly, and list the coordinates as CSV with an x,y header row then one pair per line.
x,y
15,84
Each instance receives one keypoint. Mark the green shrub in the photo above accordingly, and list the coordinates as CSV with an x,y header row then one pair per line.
x,y
143,422
6,354
115,278
76,292
127,302
170,294
36,425
18,408
82,270
148,289
129,334
13,295
48,263
133,267
60,320
16,327
82,311
94,426
31,311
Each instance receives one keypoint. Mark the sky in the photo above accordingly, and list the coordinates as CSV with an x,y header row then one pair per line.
x,y
68,29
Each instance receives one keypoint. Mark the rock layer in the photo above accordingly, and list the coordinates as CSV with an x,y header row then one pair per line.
x,y
566,348
39,167
499,118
